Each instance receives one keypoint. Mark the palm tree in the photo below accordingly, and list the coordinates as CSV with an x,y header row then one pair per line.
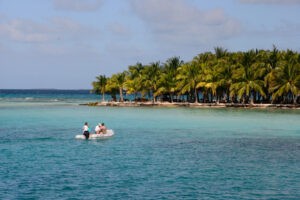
x,y
133,81
188,78
271,60
168,82
223,71
150,77
246,78
117,81
220,52
205,62
213,77
99,86
227,67
286,78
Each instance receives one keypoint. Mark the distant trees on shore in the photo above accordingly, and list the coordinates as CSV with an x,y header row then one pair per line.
x,y
254,76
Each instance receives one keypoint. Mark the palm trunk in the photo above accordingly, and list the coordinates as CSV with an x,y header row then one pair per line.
x,y
135,95
252,98
294,99
121,94
103,97
244,99
149,95
252,101
196,95
203,96
153,96
228,96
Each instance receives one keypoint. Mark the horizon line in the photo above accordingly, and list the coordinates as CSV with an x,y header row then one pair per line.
x,y
39,89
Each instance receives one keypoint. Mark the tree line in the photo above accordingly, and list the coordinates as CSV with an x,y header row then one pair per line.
x,y
253,76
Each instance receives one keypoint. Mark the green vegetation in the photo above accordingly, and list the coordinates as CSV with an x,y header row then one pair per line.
x,y
255,76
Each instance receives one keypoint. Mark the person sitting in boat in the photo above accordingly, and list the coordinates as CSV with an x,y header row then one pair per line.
x,y
86,130
103,128
98,129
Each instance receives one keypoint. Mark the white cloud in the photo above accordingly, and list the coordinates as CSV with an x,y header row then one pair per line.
x,y
176,21
72,30
22,30
77,5
284,2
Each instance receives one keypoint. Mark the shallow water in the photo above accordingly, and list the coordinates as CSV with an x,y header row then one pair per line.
x,y
156,153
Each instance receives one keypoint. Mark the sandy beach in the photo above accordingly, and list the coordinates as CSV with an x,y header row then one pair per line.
x,y
192,105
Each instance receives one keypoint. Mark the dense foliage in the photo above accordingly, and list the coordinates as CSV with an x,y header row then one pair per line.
x,y
255,76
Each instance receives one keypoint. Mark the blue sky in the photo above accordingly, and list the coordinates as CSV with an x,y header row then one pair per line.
x,y
65,44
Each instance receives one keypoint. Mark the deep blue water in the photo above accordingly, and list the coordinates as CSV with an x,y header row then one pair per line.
x,y
156,153
48,96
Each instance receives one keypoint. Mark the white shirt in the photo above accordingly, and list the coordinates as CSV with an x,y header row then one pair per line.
x,y
97,129
85,128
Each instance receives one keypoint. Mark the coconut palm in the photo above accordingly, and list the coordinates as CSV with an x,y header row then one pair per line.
x,y
213,77
205,62
168,82
271,59
227,67
223,71
150,77
246,78
117,81
286,78
262,74
133,81
99,86
220,52
188,78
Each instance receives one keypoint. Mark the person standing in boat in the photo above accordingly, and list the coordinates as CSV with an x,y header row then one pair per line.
x,y
86,130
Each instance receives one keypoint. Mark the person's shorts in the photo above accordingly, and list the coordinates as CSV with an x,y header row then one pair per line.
x,y
86,134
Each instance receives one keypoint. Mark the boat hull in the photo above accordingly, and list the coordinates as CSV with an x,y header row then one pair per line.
x,y
109,133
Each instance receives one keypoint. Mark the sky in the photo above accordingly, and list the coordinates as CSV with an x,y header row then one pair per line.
x,y
65,44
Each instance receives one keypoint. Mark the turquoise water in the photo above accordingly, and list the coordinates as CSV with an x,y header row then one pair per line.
x,y
156,153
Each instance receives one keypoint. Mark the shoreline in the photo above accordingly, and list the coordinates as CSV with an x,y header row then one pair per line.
x,y
192,105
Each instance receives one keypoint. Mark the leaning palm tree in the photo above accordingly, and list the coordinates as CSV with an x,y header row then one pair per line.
x,y
99,86
286,78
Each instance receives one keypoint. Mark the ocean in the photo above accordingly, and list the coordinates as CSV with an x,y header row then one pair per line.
x,y
156,153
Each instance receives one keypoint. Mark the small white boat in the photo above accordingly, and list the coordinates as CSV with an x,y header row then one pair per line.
x,y
109,133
